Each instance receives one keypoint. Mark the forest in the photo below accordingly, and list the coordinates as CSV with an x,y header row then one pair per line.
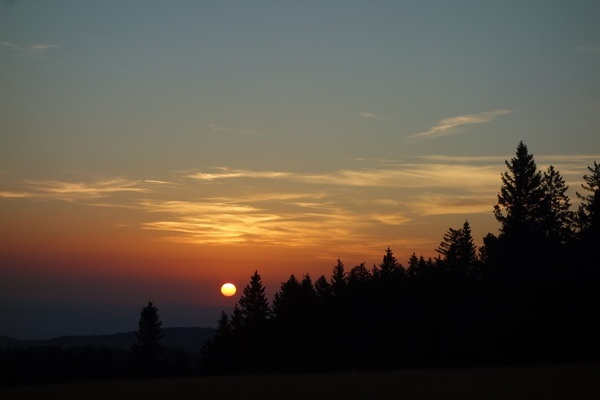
x,y
528,295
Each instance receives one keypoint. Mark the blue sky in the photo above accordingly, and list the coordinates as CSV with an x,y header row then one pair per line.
x,y
331,128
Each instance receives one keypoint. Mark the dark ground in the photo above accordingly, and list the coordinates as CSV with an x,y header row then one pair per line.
x,y
530,382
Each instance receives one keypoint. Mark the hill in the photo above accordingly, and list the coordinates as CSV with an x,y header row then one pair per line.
x,y
188,338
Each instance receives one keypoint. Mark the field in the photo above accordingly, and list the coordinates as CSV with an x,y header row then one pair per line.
x,y
539,382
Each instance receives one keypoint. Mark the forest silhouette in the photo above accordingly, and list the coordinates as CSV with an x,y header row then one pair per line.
x,y
527,296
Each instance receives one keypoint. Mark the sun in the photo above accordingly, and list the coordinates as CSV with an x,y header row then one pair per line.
x,y
228,289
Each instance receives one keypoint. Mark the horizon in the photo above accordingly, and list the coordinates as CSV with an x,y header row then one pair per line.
x,y
155,152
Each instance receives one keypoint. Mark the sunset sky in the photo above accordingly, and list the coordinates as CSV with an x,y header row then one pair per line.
x,y
155,150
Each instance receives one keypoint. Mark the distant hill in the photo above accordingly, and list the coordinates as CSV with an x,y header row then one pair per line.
x,y
190,339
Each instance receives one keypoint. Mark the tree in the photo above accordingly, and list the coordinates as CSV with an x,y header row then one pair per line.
x,y
413,266
149,329
558,221
389,270
521,204
359,278
457,250
147,350
323,290
339,280
286,300
253,305
217,352
588,215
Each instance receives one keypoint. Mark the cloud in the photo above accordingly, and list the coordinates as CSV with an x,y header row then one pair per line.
x,y
75,191
41,47
218,128
11,45
29,49
447,126
474,202
593,48
371,115
400,175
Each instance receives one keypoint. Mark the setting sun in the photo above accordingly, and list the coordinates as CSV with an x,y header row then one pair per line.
x,y
228,289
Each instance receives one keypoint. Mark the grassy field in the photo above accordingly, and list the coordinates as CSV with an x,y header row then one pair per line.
x,y
543,382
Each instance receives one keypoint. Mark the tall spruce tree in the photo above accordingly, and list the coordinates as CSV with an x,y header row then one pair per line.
x,y
147,350
558,221
253,304
339,279
521,201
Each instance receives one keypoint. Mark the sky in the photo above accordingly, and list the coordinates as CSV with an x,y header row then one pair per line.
x,y
154,150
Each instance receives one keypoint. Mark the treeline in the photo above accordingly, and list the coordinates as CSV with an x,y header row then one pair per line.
x,y
146,358
528,295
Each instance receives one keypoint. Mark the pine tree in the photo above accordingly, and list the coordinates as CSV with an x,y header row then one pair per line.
x,y
217,352
413,266
588,215
520,207
467,251
457,250
149,329
253,304
147,350
285,301
323,289
558,222
359,278
339,280
389,270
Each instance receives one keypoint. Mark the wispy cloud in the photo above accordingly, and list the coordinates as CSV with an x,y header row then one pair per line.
x,y
75,191
372,115
28,49
448,126
11,45
401,175
593,48
218,128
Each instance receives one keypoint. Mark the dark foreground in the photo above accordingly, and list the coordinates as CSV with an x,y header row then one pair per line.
x,y
538,382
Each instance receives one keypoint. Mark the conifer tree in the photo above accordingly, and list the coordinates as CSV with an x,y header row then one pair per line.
x,y
588,215
323,289
457,250
521,204
339,280
359,277
285,301
558,222
147,350
253,304
389,269
413,266
149,330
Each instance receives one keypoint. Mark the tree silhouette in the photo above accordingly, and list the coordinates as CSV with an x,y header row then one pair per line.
x,y
558,221
148,349
217,352
457,251
389,269
339,280
588,215
520,206
253,304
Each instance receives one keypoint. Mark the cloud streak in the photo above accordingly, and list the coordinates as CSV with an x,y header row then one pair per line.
x,y
448,126
372,115
30,49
